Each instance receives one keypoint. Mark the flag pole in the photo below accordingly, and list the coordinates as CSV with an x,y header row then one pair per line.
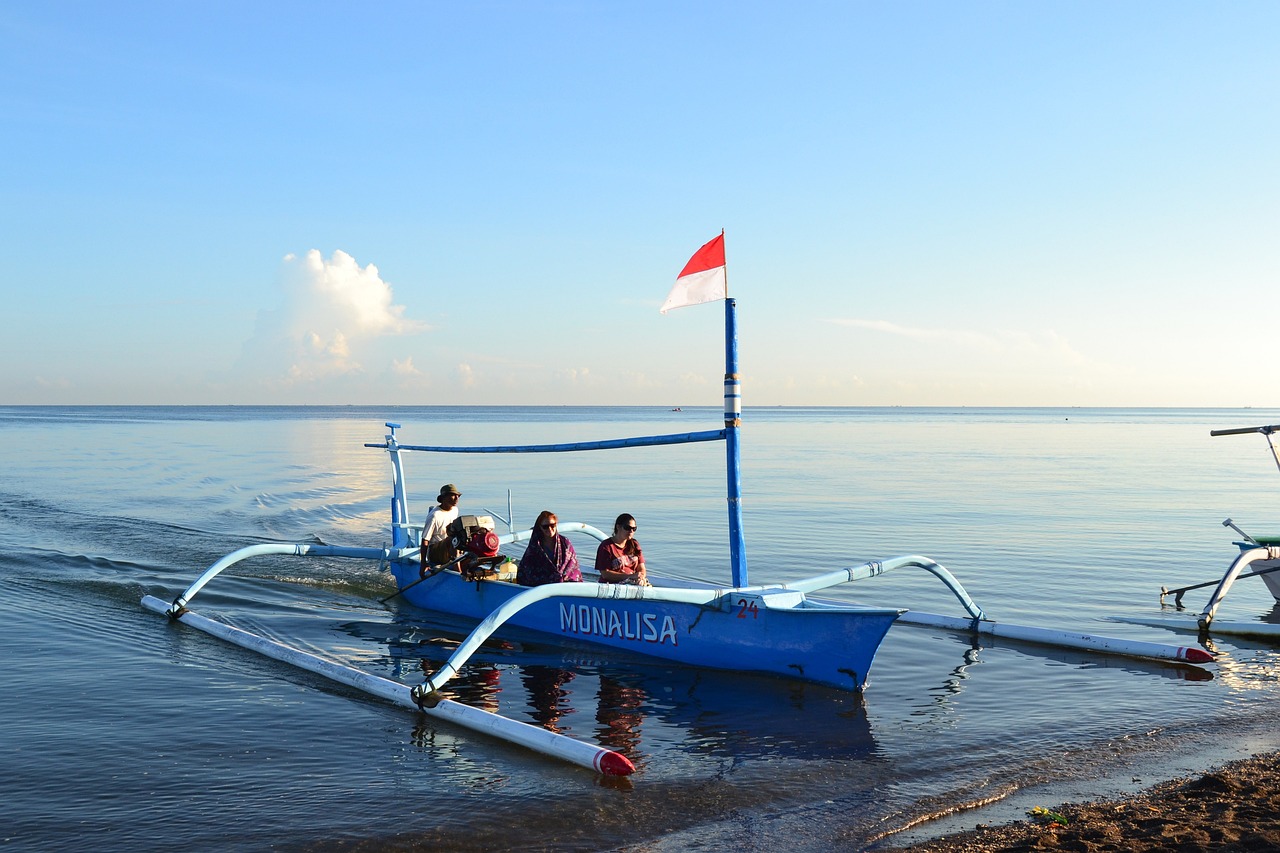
x,y
732,423
726,266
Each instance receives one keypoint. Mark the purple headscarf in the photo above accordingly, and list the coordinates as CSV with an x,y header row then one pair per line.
x,y
548,560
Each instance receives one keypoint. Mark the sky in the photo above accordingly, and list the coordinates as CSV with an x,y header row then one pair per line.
x,y
484,203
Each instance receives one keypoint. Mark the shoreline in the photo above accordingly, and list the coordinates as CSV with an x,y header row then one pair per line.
x,y
1232,807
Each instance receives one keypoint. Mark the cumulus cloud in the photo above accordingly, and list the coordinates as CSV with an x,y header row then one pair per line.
x,y
333,309
338,291
404,368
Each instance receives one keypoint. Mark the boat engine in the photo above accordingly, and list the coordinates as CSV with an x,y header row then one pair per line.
x,y
464,527
473,537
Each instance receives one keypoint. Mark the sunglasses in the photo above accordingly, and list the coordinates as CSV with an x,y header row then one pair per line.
x,y
550,525
632,528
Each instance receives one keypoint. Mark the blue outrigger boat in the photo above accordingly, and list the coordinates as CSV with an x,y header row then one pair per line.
x,y
778,629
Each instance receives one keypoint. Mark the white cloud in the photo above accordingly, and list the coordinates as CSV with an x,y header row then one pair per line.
x,y
339,290
333,310
404,368
575,375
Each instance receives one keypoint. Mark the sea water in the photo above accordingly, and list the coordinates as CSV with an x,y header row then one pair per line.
x,y
120,731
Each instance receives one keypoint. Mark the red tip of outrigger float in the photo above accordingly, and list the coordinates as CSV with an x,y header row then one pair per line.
x,y
1192,655
614,764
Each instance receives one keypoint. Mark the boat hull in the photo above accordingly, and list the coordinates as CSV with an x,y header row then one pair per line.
x,y
1269,570
741,631
1272,580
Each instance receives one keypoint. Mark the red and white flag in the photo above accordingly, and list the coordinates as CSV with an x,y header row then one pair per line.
x,y
702,280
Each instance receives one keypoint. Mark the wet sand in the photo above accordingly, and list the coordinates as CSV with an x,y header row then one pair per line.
x,y
1233,808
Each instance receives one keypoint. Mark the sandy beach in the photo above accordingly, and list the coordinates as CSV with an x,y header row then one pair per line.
x,y
1235,808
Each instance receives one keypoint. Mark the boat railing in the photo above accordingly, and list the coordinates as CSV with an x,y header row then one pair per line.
x,y
518,536
409,527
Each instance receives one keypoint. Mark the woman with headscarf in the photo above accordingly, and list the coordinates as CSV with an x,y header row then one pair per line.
x,y
550,557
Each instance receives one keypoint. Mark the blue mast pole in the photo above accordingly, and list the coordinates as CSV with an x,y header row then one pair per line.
x,y
732,422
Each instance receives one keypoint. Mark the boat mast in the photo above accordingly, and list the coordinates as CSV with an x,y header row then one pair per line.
x,y
732,423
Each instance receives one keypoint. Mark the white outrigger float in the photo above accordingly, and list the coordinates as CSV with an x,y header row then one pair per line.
x,y
1259,557
778,629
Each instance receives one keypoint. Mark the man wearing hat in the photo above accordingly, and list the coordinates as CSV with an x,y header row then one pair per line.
x,y
436,547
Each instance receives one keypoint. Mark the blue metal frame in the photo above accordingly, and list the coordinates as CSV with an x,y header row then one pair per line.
x,y
730,436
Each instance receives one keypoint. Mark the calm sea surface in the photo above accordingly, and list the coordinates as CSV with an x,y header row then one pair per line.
x,y
119,731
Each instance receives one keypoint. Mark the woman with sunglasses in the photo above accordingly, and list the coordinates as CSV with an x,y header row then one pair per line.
x,y
619,558
550,557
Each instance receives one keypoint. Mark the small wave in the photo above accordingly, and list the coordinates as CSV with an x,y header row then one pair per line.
x,y
949,808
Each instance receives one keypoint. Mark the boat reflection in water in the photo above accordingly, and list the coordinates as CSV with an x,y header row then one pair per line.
x,y
643,709
630,704
619,705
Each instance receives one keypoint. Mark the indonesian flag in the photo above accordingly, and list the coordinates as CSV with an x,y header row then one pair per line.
x,y
702,279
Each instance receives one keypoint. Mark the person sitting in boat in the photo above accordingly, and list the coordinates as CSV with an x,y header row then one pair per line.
x,y
619,558
550,557
437,546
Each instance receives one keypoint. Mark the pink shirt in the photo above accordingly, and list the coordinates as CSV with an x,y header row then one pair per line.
x,y
624,558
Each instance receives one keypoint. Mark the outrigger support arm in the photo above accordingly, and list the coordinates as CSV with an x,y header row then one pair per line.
x,y
294,550
533,595
586,755
1266,431
878,567
980,623
299,549
1246,558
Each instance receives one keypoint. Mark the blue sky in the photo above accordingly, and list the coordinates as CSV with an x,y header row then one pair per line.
x,y
484,203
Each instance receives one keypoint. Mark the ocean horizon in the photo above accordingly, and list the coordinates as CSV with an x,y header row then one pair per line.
x,y
1054,516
